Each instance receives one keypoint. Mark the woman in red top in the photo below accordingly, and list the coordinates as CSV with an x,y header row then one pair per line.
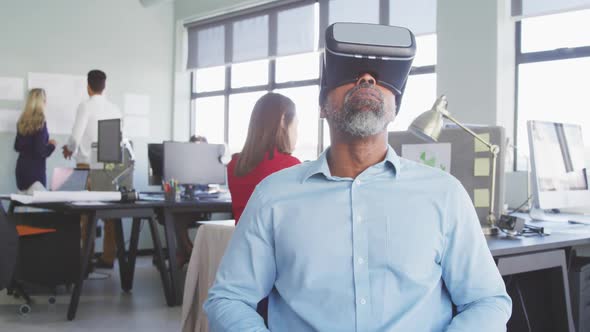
x,y
272,135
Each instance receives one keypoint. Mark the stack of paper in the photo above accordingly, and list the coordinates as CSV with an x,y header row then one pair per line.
x,y
67,196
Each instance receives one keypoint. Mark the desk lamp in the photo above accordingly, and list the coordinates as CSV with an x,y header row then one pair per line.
x,y
428,126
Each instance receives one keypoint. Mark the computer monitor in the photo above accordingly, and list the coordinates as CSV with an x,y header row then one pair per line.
x,y
558,170
156,163
109,141
194,163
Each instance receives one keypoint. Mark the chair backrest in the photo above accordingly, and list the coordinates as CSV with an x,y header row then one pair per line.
x,y
8,248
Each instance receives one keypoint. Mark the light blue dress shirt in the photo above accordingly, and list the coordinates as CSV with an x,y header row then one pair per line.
x,y
391,250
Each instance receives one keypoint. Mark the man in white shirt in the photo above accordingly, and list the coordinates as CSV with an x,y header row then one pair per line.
x,y
84,133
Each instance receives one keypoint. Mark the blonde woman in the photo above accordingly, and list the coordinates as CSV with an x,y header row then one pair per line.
x,y
33,144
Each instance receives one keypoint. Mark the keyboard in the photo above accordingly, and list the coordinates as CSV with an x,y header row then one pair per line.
x,y
563,217
152,196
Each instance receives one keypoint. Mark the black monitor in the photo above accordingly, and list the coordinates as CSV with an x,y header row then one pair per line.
x,y
109,141
194,163
156,161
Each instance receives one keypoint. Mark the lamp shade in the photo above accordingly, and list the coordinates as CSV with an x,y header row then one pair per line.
x,y
427,125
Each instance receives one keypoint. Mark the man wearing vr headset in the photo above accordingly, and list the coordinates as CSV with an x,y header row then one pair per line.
x,y
360,239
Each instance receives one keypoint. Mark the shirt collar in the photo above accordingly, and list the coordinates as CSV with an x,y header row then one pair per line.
x,y
320,166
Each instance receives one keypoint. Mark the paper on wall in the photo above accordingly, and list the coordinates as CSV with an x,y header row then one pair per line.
x,y
137,104
435,155
11,88
136,126
8,119
64,94
481,198
481,167
479,146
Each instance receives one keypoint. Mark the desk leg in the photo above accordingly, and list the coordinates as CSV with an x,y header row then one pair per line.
x,y
121,255
11,208
160,263
170,230
127,259
90,235
133,243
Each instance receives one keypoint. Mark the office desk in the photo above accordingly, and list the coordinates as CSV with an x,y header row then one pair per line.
x,y
139,210
548,253
166,211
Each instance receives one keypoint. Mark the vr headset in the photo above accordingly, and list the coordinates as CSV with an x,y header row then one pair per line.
x,y
352,49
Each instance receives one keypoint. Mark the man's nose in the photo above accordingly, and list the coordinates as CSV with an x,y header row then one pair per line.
x,y
366,78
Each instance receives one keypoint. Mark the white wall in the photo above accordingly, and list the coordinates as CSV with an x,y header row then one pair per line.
x,y
132,44
185,9
475,65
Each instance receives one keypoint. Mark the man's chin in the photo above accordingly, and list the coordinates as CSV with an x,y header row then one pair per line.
x,y
363,131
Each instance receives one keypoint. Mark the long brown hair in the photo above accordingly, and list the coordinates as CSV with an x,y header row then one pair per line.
x,y
33,116
269,129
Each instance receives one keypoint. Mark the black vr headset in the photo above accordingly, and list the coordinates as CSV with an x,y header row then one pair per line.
x,y
352,49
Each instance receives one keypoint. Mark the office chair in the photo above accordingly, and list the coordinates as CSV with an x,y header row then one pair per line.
x,y
8,249
9,243
46,254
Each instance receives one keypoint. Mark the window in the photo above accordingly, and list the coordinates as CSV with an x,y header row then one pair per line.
x,y
238,58
306,103
556,31
420,91
249,74
298,67
553,59
425,51
552,91
209,114
419,96
210,79
240,109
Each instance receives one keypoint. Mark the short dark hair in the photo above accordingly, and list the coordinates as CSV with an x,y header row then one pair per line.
x,y
198,139
96,80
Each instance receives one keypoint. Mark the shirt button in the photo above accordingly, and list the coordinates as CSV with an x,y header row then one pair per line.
x,y
359,219
358,182
363,301
361,261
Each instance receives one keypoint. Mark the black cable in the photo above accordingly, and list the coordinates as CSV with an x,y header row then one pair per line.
x,y
530,232
521,205
526,316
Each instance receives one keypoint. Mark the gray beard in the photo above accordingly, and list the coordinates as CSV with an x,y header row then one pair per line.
x,y
361,118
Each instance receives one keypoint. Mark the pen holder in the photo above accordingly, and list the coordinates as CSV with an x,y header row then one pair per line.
x,y
172,195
